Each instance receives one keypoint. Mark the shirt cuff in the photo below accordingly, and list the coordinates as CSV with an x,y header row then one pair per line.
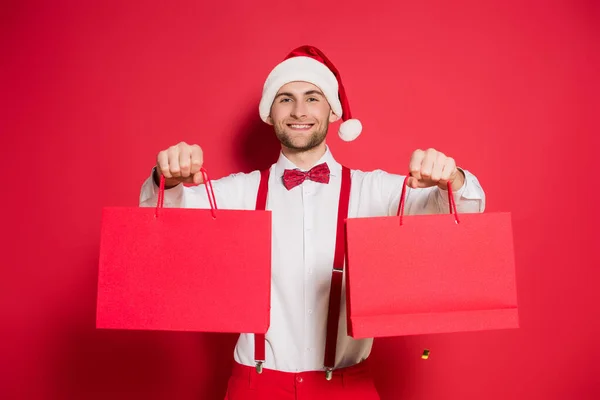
x,y
149,193
470,192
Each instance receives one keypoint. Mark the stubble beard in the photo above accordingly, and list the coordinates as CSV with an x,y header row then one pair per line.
x,y
316,138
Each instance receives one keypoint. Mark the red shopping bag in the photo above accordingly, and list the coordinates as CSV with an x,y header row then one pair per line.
x,y
425,274
184,269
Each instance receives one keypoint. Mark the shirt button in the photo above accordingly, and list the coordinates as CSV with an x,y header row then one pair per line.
x,y
310,311
299,379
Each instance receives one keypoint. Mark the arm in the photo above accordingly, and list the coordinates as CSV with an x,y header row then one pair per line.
x,y
427,192
182,163
470,198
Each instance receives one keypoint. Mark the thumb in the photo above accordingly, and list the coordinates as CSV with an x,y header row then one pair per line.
x,y
198,178
412,182
415,183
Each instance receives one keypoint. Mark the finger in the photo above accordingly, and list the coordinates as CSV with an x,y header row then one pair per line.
x,y
427,164
185,163
198,178
174,161
412,182
414,166
162,163
197,159
449,171
438,167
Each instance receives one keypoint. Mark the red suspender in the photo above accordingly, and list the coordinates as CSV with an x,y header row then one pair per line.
x,y
335,294
261,204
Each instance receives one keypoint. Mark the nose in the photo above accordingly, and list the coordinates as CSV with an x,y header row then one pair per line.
x,y
299,110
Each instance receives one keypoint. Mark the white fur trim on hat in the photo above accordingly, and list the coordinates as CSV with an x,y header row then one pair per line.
x,y
305,69
350,129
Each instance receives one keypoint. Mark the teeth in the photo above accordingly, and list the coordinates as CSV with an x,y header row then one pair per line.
x,y
300,126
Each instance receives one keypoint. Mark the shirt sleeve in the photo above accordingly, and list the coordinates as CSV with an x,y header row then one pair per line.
x,y
236,191
149,194
470,198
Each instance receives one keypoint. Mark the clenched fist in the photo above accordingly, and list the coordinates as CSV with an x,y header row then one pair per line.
x,y
180,163
431,167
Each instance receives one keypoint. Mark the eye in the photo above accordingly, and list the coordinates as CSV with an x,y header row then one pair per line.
x,y
312,99
285,100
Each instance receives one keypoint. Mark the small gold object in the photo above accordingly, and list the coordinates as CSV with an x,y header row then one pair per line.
x,y
259,367
425,354
328,374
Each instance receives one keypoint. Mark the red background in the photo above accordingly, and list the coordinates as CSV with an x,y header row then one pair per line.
x,y
91,91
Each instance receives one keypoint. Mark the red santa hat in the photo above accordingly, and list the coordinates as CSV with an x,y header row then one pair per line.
x,y
309,64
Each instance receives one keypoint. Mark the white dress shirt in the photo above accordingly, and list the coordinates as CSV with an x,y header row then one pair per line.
x,y
303,241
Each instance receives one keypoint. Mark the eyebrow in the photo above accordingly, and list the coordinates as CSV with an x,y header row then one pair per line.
x,y
307,93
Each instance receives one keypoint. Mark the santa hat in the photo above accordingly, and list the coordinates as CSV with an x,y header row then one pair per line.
x,y
309,64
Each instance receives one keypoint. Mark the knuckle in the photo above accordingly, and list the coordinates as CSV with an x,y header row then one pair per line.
x,y
165,172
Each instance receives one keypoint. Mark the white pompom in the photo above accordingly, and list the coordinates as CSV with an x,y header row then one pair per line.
x,y
350,129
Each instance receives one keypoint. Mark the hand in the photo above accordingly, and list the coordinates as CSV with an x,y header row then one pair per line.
x,y
431,167
180,163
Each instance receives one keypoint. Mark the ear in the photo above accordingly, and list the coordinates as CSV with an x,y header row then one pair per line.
x,y
269,120
332,117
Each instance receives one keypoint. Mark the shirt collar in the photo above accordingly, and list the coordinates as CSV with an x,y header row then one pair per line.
x,y
284,163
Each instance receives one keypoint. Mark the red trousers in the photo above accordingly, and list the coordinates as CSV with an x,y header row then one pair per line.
x,y
352,383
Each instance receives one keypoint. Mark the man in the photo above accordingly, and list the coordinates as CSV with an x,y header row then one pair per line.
x,y
301,97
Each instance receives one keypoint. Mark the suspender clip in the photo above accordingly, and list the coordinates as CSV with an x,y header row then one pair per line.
x,y
328,374
259,367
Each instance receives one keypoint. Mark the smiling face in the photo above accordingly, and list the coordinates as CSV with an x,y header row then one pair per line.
x,y
300,115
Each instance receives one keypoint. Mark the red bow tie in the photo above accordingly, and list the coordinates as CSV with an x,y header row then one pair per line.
x,y
294,177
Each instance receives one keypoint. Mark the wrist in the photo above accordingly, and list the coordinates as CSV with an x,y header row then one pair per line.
x,y
169,184
457,182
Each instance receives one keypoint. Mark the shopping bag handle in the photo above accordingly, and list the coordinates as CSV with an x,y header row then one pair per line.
x,y
451,202
207,184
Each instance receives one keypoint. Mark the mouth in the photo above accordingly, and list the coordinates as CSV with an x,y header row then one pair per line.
x,y
300,127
